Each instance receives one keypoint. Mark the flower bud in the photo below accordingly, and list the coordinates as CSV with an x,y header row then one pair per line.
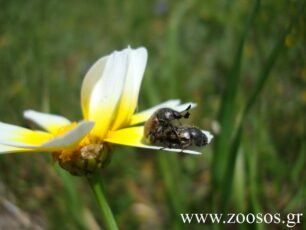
x,y
84,160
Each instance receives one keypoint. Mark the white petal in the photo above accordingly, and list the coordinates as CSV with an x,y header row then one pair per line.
x,y
23,138
4,149
14,135
172,104
146,114
137,60
71,138
89,82
107,91
47,121
208,135
134,137
168,149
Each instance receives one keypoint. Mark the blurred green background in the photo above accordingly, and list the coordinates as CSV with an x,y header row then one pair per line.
x,y
242,62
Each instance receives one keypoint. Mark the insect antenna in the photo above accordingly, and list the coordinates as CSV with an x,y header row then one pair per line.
x,y
187,114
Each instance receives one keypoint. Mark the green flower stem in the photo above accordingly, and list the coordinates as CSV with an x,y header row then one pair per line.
x,y
96,185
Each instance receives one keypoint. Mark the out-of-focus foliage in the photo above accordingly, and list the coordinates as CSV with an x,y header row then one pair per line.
x,y
46,47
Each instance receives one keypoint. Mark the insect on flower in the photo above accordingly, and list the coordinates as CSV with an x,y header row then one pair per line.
x,y
160,121
109,96
183,137
161,130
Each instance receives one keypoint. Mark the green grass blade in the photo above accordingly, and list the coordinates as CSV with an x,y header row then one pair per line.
x,y
300,164
228,175
173,47
73,202
170,169
265,74
227,110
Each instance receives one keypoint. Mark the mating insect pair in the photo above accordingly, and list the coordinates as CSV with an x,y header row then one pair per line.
x,y
160,129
